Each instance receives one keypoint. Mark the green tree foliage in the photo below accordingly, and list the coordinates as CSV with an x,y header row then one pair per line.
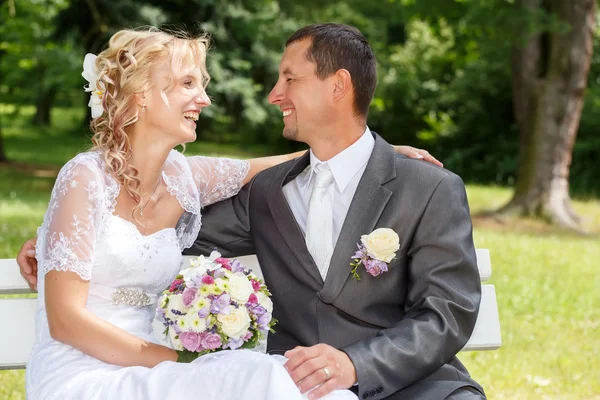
x,y
30,63
444,68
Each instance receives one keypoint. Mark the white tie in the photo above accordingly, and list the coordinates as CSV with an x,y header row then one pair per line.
x,y
319,222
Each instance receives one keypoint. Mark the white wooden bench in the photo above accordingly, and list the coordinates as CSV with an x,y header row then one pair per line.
x,y
17,335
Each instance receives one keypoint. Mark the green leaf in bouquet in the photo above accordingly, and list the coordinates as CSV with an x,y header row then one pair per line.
x,y
272,324
184,356
252,342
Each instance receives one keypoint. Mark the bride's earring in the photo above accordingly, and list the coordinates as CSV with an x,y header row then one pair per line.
x,y
143,108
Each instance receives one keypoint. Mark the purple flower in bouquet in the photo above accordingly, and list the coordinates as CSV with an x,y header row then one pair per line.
x,y
257,310
237,266
190,340
203,312
263,321
195,282
219,273
247,336
189,296
220,304
208,280
210,341
234,343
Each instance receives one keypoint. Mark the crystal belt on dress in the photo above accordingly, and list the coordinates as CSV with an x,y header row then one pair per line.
x,y
127,296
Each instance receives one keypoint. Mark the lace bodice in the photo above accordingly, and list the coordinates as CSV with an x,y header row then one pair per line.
x,y
81,234
84,197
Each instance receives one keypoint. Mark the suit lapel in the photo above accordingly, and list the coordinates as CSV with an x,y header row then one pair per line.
x,y
286,222
368,204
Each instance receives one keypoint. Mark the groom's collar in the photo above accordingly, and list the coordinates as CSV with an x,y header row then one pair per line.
x,y
346,164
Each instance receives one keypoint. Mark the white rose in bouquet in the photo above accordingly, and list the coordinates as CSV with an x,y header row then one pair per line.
x,y
240,288
265,301
236,323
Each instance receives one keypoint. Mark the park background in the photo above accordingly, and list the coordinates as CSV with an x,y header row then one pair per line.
x,y
505,93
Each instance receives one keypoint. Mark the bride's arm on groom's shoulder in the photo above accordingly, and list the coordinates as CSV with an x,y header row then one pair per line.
x,y
260,164
220,178
66,249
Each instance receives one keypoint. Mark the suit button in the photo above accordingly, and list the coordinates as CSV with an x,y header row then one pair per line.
x,y
372,393
379,390
366,395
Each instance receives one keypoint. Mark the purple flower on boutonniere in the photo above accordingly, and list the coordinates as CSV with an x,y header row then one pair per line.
x,y
375,267
375,251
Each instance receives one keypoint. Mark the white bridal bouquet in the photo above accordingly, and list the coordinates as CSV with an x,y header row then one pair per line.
x,y
213,305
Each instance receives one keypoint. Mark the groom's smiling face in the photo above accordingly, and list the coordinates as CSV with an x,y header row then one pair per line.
x,y
304,99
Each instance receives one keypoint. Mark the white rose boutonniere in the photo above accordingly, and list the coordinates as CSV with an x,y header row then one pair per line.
x,y
375,251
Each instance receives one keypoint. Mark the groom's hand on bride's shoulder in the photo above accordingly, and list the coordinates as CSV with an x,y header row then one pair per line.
x,y
322,365
28,263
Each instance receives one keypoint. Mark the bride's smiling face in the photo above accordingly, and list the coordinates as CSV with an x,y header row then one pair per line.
x,y
175,100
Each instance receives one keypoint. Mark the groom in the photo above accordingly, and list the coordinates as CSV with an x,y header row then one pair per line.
x,y
393,335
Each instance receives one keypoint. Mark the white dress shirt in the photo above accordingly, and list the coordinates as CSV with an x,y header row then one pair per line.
x,y
347,168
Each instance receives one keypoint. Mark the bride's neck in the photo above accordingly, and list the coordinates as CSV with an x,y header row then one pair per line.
x,y
149,157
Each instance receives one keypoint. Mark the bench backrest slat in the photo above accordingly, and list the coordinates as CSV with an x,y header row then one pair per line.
x,y
17,336
11,281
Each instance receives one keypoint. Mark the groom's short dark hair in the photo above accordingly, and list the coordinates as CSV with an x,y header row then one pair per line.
x,y
337,46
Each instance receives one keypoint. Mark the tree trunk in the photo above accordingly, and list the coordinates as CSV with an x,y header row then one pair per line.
x,y
548,96
43,105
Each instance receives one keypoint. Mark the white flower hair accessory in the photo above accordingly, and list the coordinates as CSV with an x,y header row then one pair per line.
x,y
94,86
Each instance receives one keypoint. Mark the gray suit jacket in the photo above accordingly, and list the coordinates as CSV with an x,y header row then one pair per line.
x,y
402,329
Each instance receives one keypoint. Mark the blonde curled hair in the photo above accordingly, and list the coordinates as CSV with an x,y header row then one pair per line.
x,y
124,69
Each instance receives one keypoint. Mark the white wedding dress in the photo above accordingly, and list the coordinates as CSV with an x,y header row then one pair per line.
x,y
81,234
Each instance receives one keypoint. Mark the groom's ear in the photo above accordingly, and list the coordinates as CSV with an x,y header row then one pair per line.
x,y
342,85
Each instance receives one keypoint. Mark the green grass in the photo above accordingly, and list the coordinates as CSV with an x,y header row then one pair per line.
x,y
546,279
547,287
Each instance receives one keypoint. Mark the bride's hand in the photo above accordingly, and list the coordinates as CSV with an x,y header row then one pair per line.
x,y
419,154
28,263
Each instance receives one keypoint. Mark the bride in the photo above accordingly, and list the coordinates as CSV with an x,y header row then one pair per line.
x,y
118,220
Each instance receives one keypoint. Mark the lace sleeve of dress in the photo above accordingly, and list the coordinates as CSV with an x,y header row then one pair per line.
x,y
68,234
217,178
